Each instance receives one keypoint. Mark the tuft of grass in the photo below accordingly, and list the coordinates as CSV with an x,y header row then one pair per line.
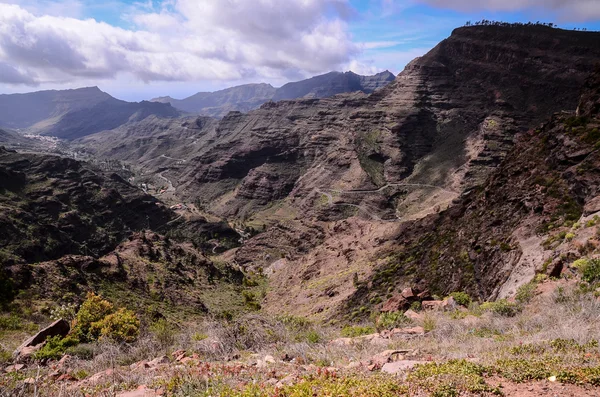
x,y
501,307
451,378
462,298
357,330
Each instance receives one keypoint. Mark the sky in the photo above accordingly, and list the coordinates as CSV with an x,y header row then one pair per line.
x,y
141,49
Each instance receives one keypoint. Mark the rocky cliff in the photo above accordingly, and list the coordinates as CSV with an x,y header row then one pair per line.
x,y
438,129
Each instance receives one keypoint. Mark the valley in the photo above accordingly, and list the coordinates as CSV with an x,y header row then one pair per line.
x,y
430,233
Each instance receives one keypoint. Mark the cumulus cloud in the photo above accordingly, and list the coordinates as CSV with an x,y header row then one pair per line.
x,y
573,10
11,75
184,40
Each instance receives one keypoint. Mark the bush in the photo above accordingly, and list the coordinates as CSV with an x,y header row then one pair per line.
x,y
591,271
357,330
164,333
462,298
526,292
392,320
55,347
501,307
121,326
93,310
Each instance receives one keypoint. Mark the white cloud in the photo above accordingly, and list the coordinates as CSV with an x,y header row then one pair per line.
x,y
565,10
182,40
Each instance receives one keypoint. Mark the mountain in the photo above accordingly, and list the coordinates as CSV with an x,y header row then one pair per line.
x,y
375,161
25,110
219,103
70,114
332,181
332,83
67,228
536,214
247,97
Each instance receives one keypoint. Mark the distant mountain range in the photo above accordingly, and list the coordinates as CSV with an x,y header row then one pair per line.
x,y
71,114
247,97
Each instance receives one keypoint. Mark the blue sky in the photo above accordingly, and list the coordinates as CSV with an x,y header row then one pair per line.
x,y
141,49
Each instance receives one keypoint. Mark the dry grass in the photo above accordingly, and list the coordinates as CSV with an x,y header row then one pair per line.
x,y
491,340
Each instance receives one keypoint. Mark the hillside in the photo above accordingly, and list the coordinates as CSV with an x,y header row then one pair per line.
x,y
71,114
247,97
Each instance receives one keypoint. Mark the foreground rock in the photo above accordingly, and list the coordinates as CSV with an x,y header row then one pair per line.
x,y
58,328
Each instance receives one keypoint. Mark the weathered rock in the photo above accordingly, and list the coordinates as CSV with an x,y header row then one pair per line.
x,y
387,356
141,391
397,367
408,293
59,327
413,315
407,331
395,303
432,305
14,368
158,361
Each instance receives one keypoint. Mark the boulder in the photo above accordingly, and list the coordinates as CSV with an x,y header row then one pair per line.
x,y
407,293
158,361
399,366
395,303
59,327
432,305
408,331
141,391
387,356
411,314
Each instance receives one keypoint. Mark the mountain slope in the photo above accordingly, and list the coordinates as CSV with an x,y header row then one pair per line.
x,y
219,103
25,110
332,83
536,214
247,97
70,114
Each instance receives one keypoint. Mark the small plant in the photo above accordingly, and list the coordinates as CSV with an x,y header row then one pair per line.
x,y
429,324
55,347
569,236
501,307
392,320
526,292
462,298
312,336
66,311
163,332
416,306
357,330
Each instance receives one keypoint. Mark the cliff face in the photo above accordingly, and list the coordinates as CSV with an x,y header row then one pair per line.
x,y
441,127
536,214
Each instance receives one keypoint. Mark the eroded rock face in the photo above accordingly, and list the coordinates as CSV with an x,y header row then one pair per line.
x,y
545,185
454,112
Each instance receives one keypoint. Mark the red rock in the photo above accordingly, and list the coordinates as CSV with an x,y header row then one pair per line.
x,y
65,377
408,293
159,360
399,366
141,391
432,305
413,315
408,331
394,304
14,368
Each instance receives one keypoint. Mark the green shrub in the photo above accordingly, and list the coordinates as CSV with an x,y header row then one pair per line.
x,y
416,306
462,298
312,336
12,323
357,330
92,311
591,271
392,320
501,307
84,351
526,292
55,347
121,326
164,332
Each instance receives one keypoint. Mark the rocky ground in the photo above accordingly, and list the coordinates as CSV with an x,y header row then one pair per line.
x,y
547,346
